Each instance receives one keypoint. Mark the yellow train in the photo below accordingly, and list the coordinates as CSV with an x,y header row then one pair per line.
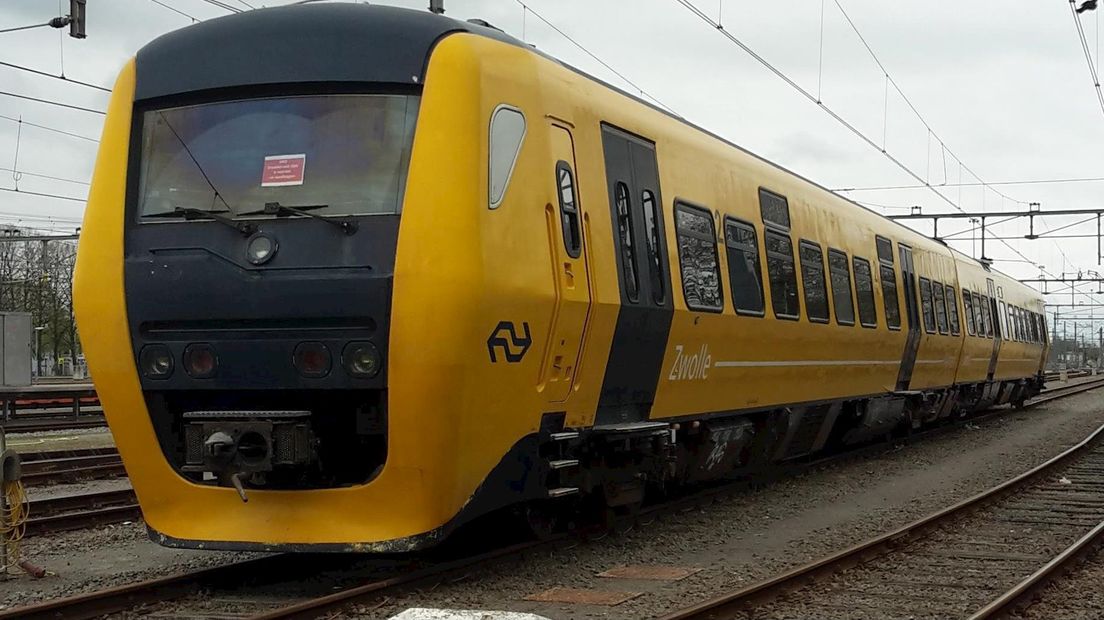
x,y
351,276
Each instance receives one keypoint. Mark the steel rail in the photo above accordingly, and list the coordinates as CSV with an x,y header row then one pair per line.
x,y
71,512
122,598
739,601
1020,595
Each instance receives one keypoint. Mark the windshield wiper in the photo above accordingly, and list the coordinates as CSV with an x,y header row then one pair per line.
x,y
191,213
194,160
274,208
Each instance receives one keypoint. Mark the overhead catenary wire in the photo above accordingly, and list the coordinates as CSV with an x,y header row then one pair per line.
x,y
56,77
176,10
43,194
43,176
828,110
47,128
53,103
1093,74
595,57
971,184
223,5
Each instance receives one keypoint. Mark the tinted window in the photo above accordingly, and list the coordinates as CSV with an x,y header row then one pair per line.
x,y
840,273
624,236
926,305
864,289
952,310
885,249
701,282
782,274
1003,319
968,309
812,276
978,316
569,212
889,296
655,245
346,152
940,307
744,275
987,316
775,208
1034,327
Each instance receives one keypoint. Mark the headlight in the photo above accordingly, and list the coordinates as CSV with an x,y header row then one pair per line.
x,y
312,359
200,361
260,248
156,361
362,359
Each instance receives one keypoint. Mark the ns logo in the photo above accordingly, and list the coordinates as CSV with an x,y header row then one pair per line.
x,y
513,346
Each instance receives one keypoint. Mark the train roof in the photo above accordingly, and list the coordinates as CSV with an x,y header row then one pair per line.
x,y
304,43
299,44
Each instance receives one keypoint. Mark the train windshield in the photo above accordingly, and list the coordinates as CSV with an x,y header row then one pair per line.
x,y
332,154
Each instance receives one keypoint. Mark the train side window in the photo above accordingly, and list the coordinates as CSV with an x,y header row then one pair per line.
x,y
697,241
968,310
782,274
569,211
840,273
889,282
1024,335
952,310
628,249
1002,320
1034,328
864,290
812,276
987,316
979,318
745,276
506,135
885,249
926,305
1014,322
940,306
655,264
774,208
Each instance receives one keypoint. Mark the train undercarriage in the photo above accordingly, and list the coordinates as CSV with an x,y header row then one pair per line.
x,y
604,471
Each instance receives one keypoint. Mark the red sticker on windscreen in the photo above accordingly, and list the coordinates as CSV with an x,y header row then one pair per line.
x,y
281,170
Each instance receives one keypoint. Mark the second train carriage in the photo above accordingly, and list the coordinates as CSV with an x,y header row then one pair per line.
x,y
524,287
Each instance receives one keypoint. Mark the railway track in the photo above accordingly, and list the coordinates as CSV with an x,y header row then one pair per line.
x,y
978,559
60,423
273,580
65,466
83,510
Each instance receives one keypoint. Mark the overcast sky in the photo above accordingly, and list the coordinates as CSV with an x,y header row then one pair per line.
x,y
1003,83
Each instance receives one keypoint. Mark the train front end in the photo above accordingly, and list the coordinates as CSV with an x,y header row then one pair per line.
x,y
236,272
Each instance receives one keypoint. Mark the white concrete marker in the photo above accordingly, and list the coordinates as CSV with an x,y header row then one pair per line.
x,y
418,613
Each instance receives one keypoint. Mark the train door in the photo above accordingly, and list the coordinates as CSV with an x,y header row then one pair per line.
x,y
996,328
912,311
569,268
644,319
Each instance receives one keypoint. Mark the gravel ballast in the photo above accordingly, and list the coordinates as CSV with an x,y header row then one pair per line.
x,y
734,541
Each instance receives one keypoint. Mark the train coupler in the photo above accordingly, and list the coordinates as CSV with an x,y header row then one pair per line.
x,y
239,447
